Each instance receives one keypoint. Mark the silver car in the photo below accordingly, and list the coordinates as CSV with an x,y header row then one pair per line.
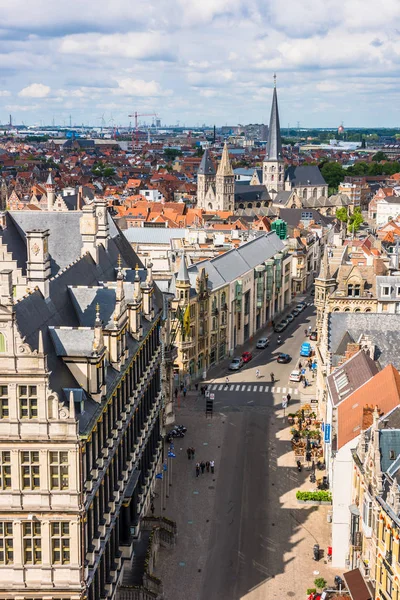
x,y
236,364
262,343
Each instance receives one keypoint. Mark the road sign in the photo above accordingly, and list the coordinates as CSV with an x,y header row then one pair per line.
x,y
284,403
212,396
327,434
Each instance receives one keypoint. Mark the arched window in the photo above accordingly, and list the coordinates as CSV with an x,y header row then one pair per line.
x,y
357,310
265,203
346,310
258,205
241,205
367,310
272,169
314,193
250,205
272,177
305,193
223,299
2,343
336,309
210,206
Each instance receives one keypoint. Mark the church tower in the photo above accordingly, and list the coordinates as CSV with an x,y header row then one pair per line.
x,y
205,178
273,164
225,183
50,191
324,286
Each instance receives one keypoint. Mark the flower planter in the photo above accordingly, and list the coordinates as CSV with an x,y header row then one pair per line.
x,y
315,502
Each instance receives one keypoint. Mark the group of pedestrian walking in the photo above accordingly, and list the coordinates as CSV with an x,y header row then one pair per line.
x,y
190,453
202,466
203,390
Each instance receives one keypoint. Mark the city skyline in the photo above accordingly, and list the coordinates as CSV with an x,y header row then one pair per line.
x,y
195,62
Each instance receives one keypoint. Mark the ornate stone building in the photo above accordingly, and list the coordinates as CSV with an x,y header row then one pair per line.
x,y
81,405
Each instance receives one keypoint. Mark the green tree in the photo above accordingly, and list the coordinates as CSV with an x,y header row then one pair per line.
x,y
171,153
355,220
320,583
379,156
333,173
341,214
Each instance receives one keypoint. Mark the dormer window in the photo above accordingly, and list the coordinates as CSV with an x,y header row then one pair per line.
x,y
353,289
385,290
100,374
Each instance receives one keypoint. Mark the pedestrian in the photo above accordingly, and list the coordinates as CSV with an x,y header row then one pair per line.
x,y
152,508
193,452
197,469
300,366
207,466
181,386
226,380
257,373
306,332
288,398
212,466
184,392
309,329
304,382
176,393
196,386
202,466
189,453
272,377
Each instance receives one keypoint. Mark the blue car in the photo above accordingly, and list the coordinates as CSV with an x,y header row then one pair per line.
x,y
305,349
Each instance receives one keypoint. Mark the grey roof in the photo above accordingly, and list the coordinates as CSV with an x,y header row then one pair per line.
x,y
389,442
183,274
282,198
85,298
293,216
241,171
206,166
70,341
236,262
390,281
303,176
356,371
381,328
50,180
274,144
251,193
153,235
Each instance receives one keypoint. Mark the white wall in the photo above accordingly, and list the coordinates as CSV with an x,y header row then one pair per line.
x,y
341,487
385,211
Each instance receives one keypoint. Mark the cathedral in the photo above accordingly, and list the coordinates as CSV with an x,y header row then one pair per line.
x,y
217,189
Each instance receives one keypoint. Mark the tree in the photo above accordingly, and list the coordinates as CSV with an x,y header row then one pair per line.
x,y
341,214
333,173
171,153
355,220
379,156
320,583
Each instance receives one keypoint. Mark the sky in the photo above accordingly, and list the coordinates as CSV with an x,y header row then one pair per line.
x,y
200,61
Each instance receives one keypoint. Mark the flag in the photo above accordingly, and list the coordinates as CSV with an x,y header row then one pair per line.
x,y
186,321
159,476
171,455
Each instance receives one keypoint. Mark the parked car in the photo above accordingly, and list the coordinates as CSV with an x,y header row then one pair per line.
x,y
246,356
262,343
279,327
236,364
284,358
305,349
296,312
295,376
313,336
290,317
300,306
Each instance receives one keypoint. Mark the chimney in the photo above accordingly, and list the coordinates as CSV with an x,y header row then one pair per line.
x,y
103,233
88,228
38,271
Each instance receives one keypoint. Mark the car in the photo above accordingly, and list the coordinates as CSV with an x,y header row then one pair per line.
x,y
236,364
246,356
296,312
301,306
262,343
290,317
305,349
313,336
279,327
284,358
295,376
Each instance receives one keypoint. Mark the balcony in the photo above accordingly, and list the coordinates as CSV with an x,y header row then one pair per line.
x,y
389,557
365,570
185,345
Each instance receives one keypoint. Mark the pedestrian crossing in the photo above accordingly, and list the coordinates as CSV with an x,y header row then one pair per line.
x,y
246,387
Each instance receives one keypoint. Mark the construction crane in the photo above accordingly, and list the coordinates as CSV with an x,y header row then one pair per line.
x,y
135,133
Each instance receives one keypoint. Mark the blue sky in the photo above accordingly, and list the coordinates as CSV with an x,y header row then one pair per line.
x,y
201,61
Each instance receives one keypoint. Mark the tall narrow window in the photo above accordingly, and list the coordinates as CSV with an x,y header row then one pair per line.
x,y
32,543
30,470
59,477
5,470
2,343
60,543
28,402
4,414
6,543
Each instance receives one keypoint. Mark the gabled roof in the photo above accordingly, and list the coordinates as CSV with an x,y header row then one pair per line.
x,y
383,389
304,176
347,378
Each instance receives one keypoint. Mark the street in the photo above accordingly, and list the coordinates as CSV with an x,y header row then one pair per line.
x,y
242,534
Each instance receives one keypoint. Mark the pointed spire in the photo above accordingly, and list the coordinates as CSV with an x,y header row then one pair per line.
x,y
325,272
206,166
225,167
274,144
40,343
183,274
50,180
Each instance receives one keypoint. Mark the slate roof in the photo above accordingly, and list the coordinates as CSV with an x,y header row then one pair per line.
x,y
251,193
389,444
72,341
380,327
206,166
274,143
153,235
293,216
347,378
304,176
390,281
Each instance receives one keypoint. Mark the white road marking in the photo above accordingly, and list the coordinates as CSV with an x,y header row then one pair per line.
x,y
296,391
255,388
222,415
237,388
232,387
250,402
273,389
278,390
214,387
283,390
267,388
261,388
290,391
243,388
220,387
249,388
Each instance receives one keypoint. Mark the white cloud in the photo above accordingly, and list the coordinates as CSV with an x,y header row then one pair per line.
x,y
35,90
139,87
22,107
4,93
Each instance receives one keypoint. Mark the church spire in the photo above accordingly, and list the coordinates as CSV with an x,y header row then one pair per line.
x,y
225,167
206,166
274,145
325,272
